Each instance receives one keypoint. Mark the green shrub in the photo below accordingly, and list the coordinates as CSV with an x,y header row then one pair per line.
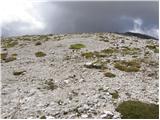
x,y
77,46
128,66
138,110
40,54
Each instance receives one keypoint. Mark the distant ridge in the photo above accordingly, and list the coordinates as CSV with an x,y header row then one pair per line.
x,y
143,36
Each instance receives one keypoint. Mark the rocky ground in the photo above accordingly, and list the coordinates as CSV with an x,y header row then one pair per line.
x,y
86,82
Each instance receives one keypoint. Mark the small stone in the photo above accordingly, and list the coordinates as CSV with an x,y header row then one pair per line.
x,y
86,107
50,117
66,81
88,64
103,116
84,116
106,115
81,80
107,93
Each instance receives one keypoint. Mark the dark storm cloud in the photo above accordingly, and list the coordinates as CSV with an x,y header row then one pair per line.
x,y
70,17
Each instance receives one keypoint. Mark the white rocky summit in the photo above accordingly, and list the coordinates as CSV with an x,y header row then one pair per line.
x,y
84,75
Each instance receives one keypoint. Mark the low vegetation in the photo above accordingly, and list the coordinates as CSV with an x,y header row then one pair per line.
x,y
138,110
77,46
109,74
50,85
153,47
3,56
38,43
40,54
16,73
128,66
115,95
9,44
104,38
88,55
9,59
100,54
110,50
130,51
14,54
97,65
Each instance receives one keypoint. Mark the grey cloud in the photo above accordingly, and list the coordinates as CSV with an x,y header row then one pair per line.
x,y
69,17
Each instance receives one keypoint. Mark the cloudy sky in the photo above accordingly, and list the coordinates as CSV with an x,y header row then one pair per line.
x,y
21,17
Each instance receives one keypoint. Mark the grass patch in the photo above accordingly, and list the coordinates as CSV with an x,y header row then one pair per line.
x,y
14,54
102,53
40,54
43,117
77,46
97,65
3,56
128,66
88,55
131,51
16,73
109,51
104,38
109,74
9,44
138,110
11,58
115,95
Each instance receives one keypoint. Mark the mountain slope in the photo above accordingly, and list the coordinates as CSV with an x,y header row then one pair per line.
x,y
76,75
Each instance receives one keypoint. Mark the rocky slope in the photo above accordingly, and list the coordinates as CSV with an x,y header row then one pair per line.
x,y
76,75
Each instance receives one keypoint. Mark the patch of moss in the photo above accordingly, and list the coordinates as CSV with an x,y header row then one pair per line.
x,y
77,46
109,74
16,73
40,54
138,110
115,95
128,66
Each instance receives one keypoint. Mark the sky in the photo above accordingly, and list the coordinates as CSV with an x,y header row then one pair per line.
x,y
22,17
